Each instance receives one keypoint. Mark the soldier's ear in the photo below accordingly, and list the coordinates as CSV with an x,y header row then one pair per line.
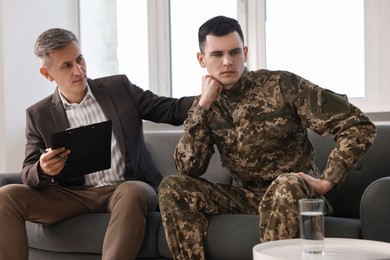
x,y
200,58
245,53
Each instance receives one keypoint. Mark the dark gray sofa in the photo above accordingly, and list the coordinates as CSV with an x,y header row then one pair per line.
x,y
361,204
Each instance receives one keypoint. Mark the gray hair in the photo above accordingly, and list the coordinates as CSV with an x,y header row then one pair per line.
x,y
51,40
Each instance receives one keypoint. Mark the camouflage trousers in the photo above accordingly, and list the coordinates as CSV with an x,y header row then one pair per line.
x,y
185,201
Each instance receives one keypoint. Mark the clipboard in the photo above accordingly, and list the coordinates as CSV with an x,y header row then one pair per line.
x,y
90,149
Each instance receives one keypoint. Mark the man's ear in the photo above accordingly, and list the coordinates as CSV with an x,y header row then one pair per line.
x,y
200,58
45,73
245,53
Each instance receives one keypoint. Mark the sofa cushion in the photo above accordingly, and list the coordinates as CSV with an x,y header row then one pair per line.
x,y
87,235
8,178
150,245
162,154
374,165
233,236
342,227
376,198
229,236
37,254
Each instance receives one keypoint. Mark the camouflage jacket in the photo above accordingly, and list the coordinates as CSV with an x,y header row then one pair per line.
x,y
260,129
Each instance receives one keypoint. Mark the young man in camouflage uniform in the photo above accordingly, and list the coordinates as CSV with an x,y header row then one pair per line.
x,y
258,120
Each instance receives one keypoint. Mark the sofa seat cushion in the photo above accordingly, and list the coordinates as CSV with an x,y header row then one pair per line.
x,y
85,234
233,236
37,254
342,227
229,236
80,234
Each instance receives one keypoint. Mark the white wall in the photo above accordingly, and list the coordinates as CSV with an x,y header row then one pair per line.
x,y
21,85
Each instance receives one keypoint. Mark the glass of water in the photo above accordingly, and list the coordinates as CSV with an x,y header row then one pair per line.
x,y
311,225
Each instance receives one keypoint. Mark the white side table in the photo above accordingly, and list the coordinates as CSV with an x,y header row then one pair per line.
x,y
334,249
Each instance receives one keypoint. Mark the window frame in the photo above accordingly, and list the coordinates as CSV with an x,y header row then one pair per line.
x,y
159,47
251,15
377,58
252,12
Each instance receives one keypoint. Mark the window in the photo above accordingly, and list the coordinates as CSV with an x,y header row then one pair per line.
x,y
186,71
346,44
114,39
322,41
132,24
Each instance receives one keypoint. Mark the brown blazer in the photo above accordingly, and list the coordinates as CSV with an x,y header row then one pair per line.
x,y
122,102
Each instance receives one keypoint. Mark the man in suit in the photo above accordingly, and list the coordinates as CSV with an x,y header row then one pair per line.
x,y
127,190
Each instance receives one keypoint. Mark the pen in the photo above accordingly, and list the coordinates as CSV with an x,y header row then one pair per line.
x,y
43,151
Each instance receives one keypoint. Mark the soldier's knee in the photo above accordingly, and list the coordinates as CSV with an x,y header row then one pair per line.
x,y
168,182
170,191
174,182
287,185
287,178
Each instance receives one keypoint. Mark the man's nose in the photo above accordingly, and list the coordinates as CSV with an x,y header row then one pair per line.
x,y
227,60
77,69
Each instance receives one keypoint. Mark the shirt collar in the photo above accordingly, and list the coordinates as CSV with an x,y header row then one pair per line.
x,y
68,105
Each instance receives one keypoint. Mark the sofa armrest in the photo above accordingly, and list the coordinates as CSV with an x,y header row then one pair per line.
x,y
375,211
8,178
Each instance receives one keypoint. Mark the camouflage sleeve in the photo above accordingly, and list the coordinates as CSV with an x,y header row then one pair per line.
x,y
329,113
195,148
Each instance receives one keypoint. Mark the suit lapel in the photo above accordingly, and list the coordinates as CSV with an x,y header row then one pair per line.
x,y
58,112
107,105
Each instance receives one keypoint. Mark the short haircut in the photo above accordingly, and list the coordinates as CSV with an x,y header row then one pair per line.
x,y
51,40
218,26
